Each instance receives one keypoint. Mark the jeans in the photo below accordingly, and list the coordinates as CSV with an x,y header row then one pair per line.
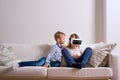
x,y
40,62
83,59
55,64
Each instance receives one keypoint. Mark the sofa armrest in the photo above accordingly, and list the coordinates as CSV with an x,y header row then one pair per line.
x,y
4,69
115,64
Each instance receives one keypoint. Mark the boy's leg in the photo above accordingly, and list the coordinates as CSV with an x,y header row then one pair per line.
x,y
68,58
84,58
55,64
33,63
41,62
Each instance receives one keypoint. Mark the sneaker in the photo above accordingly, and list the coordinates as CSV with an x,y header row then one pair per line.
x,y
78,65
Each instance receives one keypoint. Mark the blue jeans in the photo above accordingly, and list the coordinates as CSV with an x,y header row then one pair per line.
x,y
83,59
40,62
55,64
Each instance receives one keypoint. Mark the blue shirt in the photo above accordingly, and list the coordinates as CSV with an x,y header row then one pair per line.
x,y
55,54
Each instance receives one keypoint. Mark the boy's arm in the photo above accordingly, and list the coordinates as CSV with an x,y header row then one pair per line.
x,y
50,55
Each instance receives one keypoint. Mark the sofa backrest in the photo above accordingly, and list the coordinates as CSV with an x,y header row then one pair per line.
x,y
30,52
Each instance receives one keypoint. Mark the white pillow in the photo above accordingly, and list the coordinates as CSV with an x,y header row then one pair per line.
x,y
7,55
100,53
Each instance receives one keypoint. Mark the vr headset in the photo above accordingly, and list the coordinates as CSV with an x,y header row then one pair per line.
x,y
75,41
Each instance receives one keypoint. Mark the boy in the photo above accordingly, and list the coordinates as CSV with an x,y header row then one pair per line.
x,y
54,57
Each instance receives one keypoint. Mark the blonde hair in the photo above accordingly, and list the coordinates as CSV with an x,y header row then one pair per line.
x,y
58,35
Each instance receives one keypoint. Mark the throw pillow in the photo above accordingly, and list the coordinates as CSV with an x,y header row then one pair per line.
x,y
7,55
100,53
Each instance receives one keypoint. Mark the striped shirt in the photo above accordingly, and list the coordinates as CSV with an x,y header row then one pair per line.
x,y
55,54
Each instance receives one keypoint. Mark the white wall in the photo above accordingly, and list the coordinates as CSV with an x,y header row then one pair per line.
x,y
113,22
35,21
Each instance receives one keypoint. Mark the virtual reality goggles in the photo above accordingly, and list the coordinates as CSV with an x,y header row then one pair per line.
x,y
75,41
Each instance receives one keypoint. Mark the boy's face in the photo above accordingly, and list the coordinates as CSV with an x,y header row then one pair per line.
x,y
61,40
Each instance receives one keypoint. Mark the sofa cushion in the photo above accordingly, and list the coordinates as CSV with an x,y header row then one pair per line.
x,y
31,52
65,72
84,73
28,71
98,73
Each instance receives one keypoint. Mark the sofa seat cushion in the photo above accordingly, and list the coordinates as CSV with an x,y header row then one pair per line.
x,y
84,73
65,72
98,73
28,72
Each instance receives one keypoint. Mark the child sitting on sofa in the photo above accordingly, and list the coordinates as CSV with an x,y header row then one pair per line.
x,y
73,55
54,57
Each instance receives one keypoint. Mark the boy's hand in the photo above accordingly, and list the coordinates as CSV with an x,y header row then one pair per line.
x,y
47,65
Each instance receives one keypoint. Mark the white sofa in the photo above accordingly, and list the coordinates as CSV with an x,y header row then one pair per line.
x,y
35,52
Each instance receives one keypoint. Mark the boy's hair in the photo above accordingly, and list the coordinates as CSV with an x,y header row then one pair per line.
x,y
58,35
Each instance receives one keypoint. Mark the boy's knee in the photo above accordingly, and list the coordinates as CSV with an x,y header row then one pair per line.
x,y
43,58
